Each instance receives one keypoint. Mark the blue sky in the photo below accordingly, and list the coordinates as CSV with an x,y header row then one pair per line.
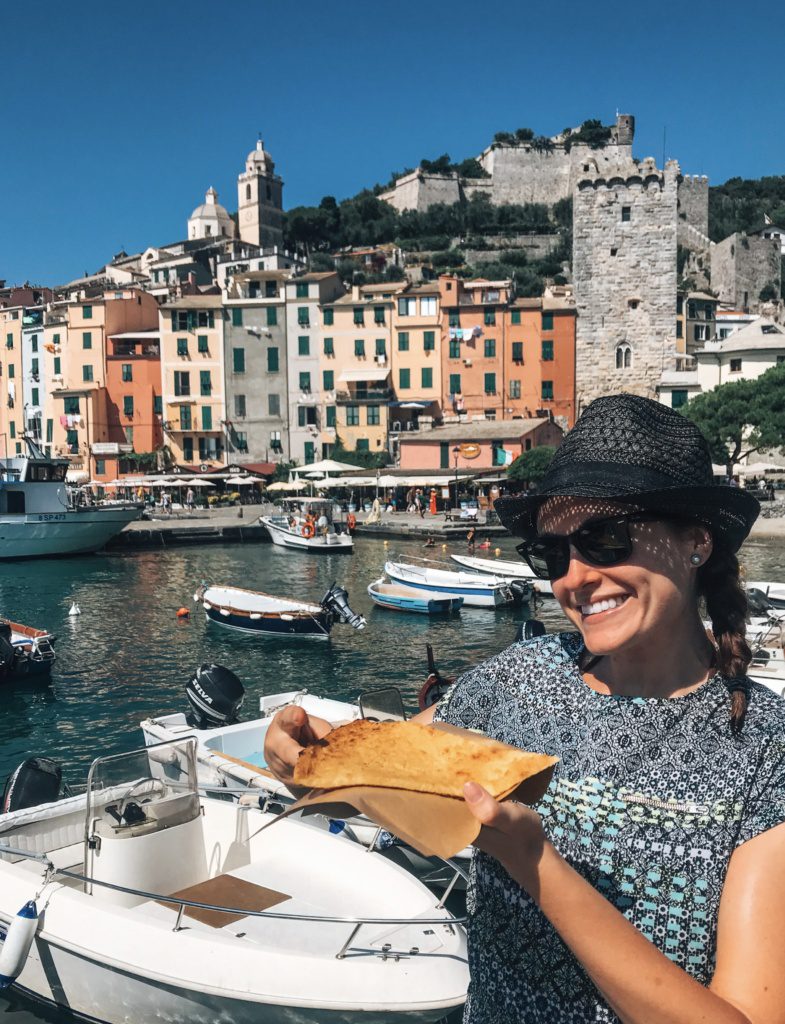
x,y
114,126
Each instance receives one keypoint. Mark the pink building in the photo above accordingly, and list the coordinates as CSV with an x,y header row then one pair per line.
x,y
480,444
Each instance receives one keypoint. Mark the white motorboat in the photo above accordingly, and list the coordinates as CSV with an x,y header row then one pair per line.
x,y
38,517
505,569
251,611
146,902
308,524
479,591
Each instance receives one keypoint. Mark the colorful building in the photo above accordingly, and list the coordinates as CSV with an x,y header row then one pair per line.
x,y
475,445
416,361
12,422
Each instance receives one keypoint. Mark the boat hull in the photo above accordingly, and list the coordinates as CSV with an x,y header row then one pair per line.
x,y
475,596
509,570
420,605
71,532
329,544
274,625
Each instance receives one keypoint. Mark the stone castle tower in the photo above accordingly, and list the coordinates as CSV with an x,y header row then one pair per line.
x,y
260,200
625,229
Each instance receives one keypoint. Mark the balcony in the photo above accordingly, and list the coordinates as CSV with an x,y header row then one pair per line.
x,y
364,395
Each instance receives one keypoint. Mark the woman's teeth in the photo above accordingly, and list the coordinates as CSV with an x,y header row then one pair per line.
x,y
602,606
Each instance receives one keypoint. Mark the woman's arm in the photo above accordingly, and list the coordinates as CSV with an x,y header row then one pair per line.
x,y
638,981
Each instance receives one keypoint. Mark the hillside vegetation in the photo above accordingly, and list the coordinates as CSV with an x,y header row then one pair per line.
x,y
740,205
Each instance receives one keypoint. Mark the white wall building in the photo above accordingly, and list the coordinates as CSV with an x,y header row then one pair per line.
x,y
34,385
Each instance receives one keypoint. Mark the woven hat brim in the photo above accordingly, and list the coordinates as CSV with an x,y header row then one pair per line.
x,y
729,512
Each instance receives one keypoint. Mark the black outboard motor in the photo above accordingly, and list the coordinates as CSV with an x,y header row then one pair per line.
x,y
36,781
7,652
529,629
521,590
757,602
215,695
336,600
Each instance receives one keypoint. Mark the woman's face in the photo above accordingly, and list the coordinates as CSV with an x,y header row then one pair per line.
x,y
649,597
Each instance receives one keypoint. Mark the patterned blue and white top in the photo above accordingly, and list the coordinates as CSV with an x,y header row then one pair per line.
x,y
649,800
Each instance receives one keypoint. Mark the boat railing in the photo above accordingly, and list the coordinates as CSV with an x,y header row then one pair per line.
x,y
449,920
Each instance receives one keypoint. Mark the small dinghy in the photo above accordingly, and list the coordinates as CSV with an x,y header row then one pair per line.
x,y
164,904
24,651
504,569
252,611
408,599
477,591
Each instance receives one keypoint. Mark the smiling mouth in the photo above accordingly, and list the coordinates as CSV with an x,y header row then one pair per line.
x,y
598,607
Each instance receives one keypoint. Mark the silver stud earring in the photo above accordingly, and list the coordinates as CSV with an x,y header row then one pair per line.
x,y
696,558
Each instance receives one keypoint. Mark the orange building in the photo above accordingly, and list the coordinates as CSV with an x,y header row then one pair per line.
x,y
539,358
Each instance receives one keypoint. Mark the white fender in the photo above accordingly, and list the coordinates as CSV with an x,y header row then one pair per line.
x,y
18,941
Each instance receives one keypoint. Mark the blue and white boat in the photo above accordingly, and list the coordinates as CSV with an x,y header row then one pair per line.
x,y
251,611
477,591
408,599
507,570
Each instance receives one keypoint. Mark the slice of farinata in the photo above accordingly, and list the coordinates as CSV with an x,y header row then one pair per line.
x,y
421,758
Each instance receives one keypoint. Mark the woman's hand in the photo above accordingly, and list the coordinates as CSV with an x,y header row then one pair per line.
x,y
290,731
511,832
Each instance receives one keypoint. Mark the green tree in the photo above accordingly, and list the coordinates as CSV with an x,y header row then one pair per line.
x,y
743,417
531,466
368,460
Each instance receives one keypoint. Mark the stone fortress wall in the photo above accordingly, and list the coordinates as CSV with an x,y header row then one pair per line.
x,y
741,266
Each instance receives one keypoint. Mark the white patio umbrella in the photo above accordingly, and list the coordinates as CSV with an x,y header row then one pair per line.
x,y
242,481
283,485
388,480
198,482
327,466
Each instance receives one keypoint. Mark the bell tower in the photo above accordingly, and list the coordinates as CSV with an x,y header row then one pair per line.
x,y
260,200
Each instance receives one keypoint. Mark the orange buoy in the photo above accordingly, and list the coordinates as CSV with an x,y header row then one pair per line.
x,y
183,613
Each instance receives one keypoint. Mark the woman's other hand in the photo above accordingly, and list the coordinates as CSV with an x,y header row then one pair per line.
x,y
511,832
290,731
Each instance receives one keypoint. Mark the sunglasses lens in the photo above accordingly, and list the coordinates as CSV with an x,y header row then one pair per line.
x,y
604,543
548,557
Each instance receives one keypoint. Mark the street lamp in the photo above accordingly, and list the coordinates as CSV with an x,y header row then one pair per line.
x,y
455,453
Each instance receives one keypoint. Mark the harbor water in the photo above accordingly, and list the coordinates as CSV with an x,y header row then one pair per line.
x,y
127,656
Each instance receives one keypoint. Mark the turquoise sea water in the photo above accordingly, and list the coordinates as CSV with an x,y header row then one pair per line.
x,y
127,656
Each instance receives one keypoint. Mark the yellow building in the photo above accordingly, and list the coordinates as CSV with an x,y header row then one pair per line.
x,y
11,405
192,371
416,361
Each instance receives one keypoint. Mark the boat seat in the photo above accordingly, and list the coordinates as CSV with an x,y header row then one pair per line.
x,y
227,891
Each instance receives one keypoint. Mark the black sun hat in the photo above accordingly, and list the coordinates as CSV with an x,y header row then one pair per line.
x,y
635,450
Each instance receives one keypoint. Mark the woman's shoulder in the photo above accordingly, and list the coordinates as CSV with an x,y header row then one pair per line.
x,y
551,650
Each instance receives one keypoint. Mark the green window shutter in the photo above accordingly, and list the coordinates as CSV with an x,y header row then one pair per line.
x,y
362,444
381,347
303,345
490,318
238,360
301,290
272,316
352,415
359,347
50,426
455,319
490,383
128,405
490,348
678,398
128,372
330,410
158,405
547,350
272,360
188,449
303,316
57,369
373,415
517,351
404,378
358,315
174,319
455,383
310,451
301,419
34,368
329,347
35,394
11,371
378,314
329,317
515,316
185,417
201,343
455,348
12,428
547,321
205,383
237,317
429,341
9,340
444,455
328,380
182,346
87,312
305,381
427,377
403,341
547,389
87,339
87,373
207,418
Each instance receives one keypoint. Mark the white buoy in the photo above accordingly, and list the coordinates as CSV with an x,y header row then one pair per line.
x,y
74,609
18,941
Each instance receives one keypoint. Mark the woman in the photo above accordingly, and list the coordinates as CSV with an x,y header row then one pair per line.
x,y
646,886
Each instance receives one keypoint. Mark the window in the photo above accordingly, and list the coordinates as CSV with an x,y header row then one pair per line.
x,y
309,452
735,366
679,329
71,406
12,428
515,389
188,449
362,444
253,290
455,319
238,360
182,346
158,405
626,212
490,317
547,390
271,289
303,316
352,415
678,398
547,351
359,347
241,440
239,406
128,405
330,411
273,405
201,344
428,306
547,321
35,394
34,368
205,383
204,318
305,381
272,316
87,312
303,345
373,415
272,360
34,343
329,317
237,317
378,314
57,369
515,316
490,383
207,418
455,348
182,382
517,351
490,348
71,439
403,341
700,332
87,373
455,383
444,455
127,372
623,356
404,378
426,377
87,339
301,290
50,426
9,341
429,341
358,315
11,371
328,380
329,347
381,347
100,467
407,307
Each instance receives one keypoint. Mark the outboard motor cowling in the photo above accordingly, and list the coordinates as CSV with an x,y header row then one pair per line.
x,y
336,600
36,781
215,695
757,602
521,590
530,629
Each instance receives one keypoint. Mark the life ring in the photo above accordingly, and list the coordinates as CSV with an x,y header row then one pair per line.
x,y
351,521
307,530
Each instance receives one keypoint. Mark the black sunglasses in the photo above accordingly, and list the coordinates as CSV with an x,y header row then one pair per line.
x,y
600,541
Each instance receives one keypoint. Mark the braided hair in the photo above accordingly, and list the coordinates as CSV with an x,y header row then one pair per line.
x,y
719,585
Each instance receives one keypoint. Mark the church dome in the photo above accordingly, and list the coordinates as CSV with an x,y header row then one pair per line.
x,y
210,219
259,160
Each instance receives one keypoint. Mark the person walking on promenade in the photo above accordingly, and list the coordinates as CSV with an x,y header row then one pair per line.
x,y
190,499
646,886
419,503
